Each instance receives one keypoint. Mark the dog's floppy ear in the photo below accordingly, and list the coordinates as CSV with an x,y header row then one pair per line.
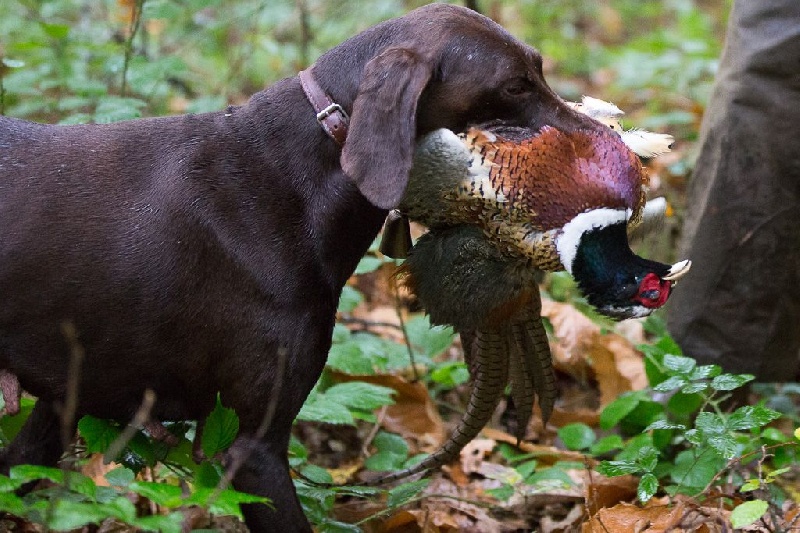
x,y
380,143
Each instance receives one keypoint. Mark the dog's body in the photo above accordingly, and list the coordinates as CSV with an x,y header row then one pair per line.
x,y
206,253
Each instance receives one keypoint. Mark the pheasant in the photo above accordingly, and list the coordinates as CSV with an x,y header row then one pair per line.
x,y
501,204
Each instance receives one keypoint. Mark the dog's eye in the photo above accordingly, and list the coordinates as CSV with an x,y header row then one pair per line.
x,y
518,88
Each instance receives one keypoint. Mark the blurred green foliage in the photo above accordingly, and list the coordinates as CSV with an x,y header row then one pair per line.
x,y
64,60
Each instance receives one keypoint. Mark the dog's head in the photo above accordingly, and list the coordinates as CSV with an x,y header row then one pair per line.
x,y
440,66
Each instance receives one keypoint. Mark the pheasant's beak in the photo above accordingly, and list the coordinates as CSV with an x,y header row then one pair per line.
x,y
677,270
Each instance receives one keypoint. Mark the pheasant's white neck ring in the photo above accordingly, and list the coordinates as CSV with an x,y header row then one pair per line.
x,y
570,236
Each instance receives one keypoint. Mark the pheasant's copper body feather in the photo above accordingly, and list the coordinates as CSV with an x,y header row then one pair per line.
x,y
522,192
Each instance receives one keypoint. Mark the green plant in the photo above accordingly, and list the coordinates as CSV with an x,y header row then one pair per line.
x,y
72,500
688,442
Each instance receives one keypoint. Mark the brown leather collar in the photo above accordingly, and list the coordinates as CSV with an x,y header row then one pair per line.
x,y
331,116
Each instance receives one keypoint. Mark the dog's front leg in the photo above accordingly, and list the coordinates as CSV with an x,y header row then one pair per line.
x,y
39,440
263,469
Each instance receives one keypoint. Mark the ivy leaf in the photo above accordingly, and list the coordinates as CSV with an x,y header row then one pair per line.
x,y
220,430
648,486
748,512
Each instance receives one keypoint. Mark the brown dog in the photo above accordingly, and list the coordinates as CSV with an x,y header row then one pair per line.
x,y
205,253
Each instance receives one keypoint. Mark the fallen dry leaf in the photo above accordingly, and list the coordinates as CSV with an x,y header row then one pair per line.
x,y
601,491
413,415
631,518
546,455
473,453
581,349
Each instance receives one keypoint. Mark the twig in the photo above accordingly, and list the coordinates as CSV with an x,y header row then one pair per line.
x,y
305,32
374,431
399,310
76,356
367,324
136,19
141,416
739,460
238,459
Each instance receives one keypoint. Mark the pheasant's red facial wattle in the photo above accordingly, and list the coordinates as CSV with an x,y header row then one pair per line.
x,y
653,291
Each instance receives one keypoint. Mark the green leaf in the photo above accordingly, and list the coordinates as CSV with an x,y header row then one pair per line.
x,y
670,384
98,433
726,382
647,458
10,425
748,512
750,485
11,503
710,423
56,31
678,364
368,264
26,473
405,492
450,374
220,430
694,471
694,388
120,477
319,409
392,452
349,299
606,444
751,416
68,515
684,404
647,488
360,395
501,493
225,502
159,493
619,409
705,372
207,475
664,424
430,340
577,436
347,357
334,526
8,485
115,109
618,468
171,523
316,474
